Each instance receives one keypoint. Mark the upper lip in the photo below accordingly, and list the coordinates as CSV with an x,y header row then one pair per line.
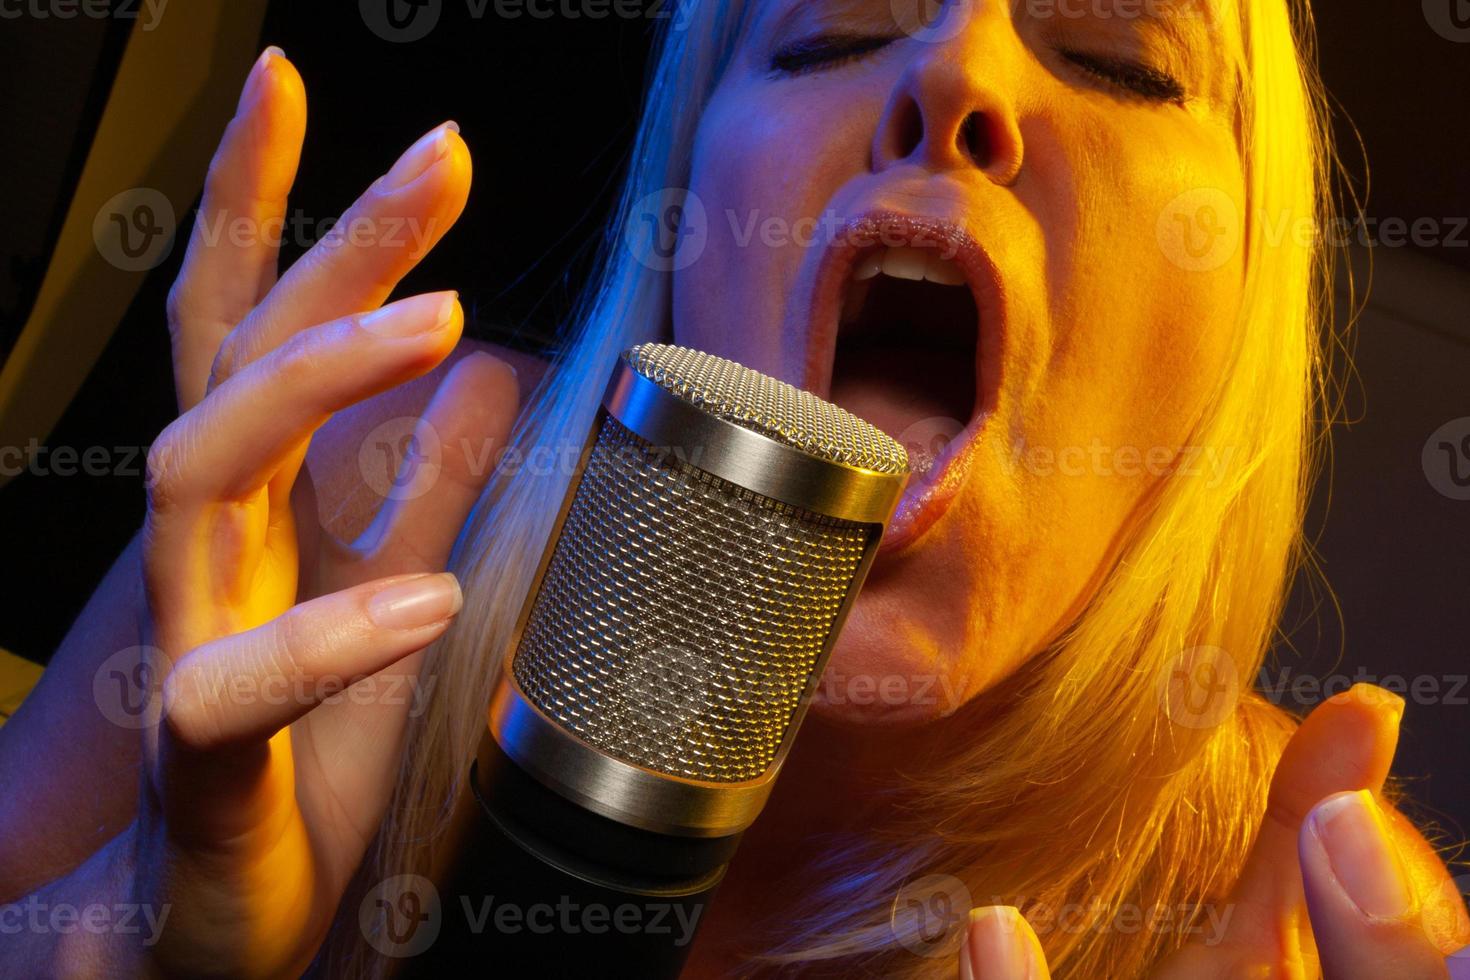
x,y
885,227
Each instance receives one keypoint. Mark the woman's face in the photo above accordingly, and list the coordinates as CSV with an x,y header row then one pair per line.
x,y
1010,239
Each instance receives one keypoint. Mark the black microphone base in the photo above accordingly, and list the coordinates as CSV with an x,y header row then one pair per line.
x,y
544,888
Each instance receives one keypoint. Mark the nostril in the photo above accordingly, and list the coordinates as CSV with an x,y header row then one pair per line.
x,y
908,129
973,141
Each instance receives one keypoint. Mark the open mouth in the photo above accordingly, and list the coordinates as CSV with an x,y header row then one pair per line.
x,y
908,325
906,350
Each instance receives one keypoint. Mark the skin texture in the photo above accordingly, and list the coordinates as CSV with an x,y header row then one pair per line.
x,y
1105,340
255,812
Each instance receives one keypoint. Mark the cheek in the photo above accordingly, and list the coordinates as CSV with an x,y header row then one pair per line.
x,y
763,178
1146,279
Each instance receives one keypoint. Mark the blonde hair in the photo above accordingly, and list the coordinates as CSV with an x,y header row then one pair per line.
x,y
1037,787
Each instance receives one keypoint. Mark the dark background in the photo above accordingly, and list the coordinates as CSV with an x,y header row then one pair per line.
x,y
547,107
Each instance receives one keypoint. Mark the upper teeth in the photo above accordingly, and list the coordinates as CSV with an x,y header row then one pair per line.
x,y
908,262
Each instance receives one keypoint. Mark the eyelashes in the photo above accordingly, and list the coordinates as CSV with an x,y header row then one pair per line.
x,y
1131,76
810,54
825,52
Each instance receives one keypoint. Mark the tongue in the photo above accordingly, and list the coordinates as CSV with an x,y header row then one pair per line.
x,y
920,397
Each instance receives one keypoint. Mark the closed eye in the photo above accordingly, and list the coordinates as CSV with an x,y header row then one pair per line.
x,y
1131,77
824,51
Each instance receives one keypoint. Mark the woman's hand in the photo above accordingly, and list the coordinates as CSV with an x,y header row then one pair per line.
x,y
1338,884
258,798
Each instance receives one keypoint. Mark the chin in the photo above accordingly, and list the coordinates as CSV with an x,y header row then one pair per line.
x,y
886,669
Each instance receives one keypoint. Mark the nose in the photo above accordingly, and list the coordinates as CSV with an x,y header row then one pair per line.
x,y
948,110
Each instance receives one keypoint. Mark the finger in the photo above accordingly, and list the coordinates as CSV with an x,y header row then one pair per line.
x,y
230,445
219,477
454,449
224,758
1001,945
1364,911
376,242
1346,743
243,688
233,250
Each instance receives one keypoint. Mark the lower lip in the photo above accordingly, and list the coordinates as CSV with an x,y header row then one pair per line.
x,y
928,496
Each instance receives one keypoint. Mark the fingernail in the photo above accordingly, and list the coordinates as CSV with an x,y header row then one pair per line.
x,y
1373,696
996,945
412,316
1354,834
418,158
416,602
256,76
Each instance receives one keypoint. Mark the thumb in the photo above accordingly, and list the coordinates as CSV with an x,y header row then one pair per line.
x,y
1347,743
1364,912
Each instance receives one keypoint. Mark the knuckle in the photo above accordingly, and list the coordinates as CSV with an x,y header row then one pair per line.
x,y
290,643
190,717
164,484
176,304
299,359
227,361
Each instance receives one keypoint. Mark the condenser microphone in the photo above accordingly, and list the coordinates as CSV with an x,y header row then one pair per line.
x,y
717,530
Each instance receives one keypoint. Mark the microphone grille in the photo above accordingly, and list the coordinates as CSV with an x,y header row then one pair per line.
x,y
773,408
680,617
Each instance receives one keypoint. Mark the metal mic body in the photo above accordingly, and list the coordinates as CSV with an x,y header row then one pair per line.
x,y
706,554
